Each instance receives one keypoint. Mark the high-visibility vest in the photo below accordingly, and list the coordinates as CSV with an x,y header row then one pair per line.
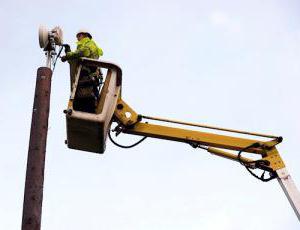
x,y
86,47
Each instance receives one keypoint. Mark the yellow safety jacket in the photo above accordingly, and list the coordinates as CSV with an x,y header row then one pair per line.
x,y
86,47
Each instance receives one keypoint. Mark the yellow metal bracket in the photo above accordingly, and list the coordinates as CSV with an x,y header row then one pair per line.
x,y
125,114
275,159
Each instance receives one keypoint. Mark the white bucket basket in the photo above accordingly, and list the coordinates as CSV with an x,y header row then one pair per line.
x,y
88,131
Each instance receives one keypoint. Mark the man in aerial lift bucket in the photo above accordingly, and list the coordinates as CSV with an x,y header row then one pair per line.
x,y
90,77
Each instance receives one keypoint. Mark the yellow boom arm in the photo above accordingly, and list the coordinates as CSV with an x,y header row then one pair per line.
x,y
132,123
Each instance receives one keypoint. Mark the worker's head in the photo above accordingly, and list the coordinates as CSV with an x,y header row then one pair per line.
x,y
81,36
83,33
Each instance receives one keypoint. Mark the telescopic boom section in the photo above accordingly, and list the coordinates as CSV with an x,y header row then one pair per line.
x,y
131,123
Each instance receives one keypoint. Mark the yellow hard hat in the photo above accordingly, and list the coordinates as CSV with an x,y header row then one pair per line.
x,y
84,31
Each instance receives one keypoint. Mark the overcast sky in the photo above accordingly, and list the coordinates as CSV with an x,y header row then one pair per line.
x,y
228,63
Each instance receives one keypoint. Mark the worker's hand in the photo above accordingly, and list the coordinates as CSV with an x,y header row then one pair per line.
x,y
63,58
67,48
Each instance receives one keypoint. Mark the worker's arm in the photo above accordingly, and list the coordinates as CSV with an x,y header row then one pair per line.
x,y
83,51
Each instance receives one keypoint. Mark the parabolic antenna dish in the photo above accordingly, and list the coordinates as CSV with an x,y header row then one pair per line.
x,y
43,36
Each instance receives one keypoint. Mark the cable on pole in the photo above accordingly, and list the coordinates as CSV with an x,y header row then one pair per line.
x,y
57,56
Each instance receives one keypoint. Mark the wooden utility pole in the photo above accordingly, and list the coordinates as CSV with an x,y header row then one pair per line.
x,y
33,195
